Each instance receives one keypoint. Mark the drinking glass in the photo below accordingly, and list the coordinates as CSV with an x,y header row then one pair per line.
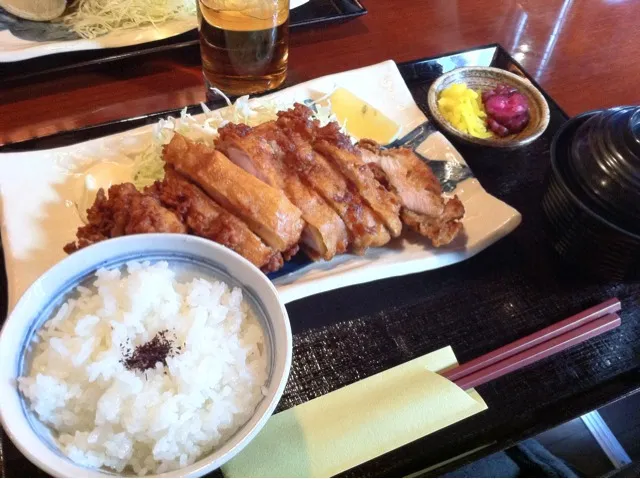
x,y
244,44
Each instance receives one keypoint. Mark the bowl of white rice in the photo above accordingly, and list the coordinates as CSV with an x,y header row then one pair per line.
x,y
156,354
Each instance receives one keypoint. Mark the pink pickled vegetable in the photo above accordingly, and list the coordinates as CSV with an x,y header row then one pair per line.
x,y
504,90
507,110
496,127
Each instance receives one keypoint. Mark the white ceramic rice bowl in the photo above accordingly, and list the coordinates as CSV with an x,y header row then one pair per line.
x,y
50,290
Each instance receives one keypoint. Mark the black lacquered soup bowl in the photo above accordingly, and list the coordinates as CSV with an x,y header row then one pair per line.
x,y
581,231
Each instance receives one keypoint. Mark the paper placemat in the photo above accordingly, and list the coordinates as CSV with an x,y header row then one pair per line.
x,y
359,422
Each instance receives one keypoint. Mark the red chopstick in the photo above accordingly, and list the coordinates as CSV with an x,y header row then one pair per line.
x,y
550,340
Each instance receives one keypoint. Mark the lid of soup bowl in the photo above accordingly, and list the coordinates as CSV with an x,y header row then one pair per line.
x,y
604,160
623,139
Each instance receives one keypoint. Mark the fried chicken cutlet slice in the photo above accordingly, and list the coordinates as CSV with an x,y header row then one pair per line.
x,y
205,218
338,149
266,211
256,151
364,227
441,230
423,207
125,211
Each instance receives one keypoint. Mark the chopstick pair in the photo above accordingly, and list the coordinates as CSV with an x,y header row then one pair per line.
x,y
539,345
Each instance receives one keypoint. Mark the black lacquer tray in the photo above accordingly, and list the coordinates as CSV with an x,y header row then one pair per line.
x,y
513,288
311,13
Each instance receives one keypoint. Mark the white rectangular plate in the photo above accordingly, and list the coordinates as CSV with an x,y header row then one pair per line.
x,y
38,218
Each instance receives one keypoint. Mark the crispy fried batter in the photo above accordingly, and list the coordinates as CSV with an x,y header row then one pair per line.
x,y
291,252
266,211
348,160
298,120
338,149
257,152
285,181
251,152
423,207
412,179
364,228
126,211
205,218
441,230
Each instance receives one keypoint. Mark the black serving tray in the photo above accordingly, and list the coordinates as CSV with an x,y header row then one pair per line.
x,y
312,13
512,289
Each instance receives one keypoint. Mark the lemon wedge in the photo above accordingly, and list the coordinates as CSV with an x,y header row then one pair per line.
x,y
362,120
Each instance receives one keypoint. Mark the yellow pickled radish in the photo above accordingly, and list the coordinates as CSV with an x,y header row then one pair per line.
x,y
463,108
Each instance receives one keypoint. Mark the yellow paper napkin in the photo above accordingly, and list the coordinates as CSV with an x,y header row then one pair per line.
x,y
354,424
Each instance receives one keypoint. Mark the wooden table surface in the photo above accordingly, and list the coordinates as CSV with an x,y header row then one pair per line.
x,y
583,52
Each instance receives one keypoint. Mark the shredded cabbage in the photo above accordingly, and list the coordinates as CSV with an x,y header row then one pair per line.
x,y
93,18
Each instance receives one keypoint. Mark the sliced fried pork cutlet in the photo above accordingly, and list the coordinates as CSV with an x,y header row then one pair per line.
x,y
257,152
410,177
440,230
299,131
125,211
349,161
205,218
266,210
364,228
338,149
251,152
298,119
423,207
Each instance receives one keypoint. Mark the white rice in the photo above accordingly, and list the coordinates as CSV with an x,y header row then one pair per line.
x,y
103,414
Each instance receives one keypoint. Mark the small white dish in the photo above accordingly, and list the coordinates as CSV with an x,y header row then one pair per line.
x,y
185,252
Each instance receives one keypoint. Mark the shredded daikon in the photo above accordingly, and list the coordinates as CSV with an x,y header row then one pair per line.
x,y
94,18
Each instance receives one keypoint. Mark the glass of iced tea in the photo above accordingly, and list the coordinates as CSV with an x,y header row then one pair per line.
x,y
244,44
